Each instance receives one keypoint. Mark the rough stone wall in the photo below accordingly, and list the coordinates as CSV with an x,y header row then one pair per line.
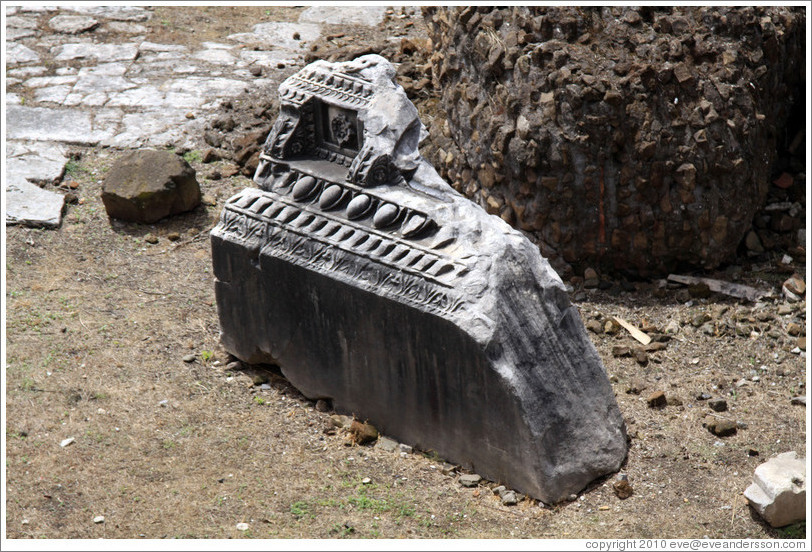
x,y
631,138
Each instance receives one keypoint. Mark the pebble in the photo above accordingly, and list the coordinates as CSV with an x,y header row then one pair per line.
x,y
366,481
591,279
173,236
509,498
718,405
795,284
66,442
672,327
622,487
190,358
405,449
470,480
98,519
242,526
387,444
800,400
321,405
657,400
794,329
362,432
722,428
151,238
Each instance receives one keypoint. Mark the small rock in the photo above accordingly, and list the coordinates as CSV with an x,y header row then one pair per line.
x,y
405,449
800,343
623,489
447,468
703,397
778,492
699,291
363,433
151,238
500,490
611,326
753,242
190,358
242,526
470,480
234,366
66,442
657,400
164,403
794,329
752,452
255,70
366,481
591,279
594,326
722,428
621,351
323,406
387,444
672,327
641,356
340,421
509,498
718,405
173,236
98,519
801,400
635,387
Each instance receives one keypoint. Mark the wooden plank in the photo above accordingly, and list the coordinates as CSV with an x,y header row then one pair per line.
x,y
640,336
720,286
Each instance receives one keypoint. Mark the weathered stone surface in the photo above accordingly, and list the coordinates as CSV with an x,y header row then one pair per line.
x,y
619,133
98,52
72,24
30,205
345,15
778,492
371,283
45,124
148,185
17,54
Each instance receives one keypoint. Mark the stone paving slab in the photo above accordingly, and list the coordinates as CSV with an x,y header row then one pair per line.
x,y
30,205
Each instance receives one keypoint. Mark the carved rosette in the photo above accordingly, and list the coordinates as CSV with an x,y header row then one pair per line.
x,y
369,169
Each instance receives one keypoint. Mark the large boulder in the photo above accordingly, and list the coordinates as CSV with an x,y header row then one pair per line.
x,y
148,185
634,138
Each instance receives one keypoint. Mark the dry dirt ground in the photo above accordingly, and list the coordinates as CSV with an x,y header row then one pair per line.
x,y
98,323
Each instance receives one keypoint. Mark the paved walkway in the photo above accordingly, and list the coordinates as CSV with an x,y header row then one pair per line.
x,y
126,94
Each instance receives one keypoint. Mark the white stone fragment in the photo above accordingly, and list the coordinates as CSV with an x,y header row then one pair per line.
x,y
778,492
17,53
72,24
98,52
368,16
280,35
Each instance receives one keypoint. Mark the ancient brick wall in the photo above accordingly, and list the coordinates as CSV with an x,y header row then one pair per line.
x,y
631,138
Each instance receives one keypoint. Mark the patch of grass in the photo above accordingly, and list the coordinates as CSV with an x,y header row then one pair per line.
x,y
259,400
206,355
74,169
300,509
794,531
193,156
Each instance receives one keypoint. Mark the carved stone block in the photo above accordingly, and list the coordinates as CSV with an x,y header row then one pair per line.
x,y
372,283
